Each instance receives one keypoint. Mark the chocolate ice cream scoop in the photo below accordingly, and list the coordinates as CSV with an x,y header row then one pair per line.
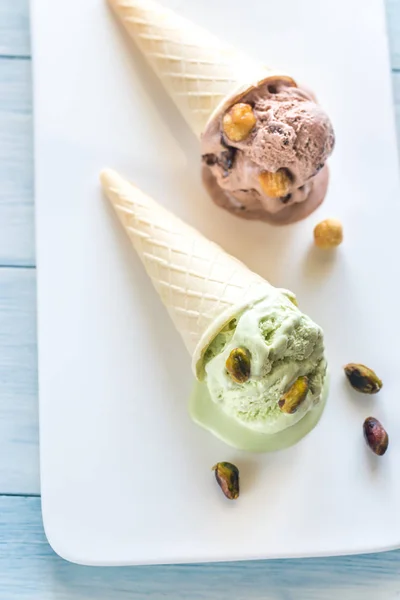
x,y
264,139
264,155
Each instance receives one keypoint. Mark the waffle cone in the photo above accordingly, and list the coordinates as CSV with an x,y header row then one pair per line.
x,y
201,286
199,72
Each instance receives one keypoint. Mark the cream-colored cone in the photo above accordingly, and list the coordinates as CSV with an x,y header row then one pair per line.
x,y
198,71
202,286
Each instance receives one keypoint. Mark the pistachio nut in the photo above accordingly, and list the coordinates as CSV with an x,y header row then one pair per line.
x,y
238,365
230,326
292,298
295,395
376,436
363,379
227,476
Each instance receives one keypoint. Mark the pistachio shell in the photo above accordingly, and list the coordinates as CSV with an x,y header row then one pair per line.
x,y
227,476
362,378
376,436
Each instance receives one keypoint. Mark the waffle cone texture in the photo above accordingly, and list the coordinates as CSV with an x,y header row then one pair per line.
x,y
201,74
201,285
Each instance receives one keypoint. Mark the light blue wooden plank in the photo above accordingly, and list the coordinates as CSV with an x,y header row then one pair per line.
x,y
14,27
16,164
19,464
29,569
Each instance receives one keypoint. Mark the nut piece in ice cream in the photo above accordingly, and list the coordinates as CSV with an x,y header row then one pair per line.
x,y
292,298
238,122
227,476
363,379
376,436
328,234
295,395
276,185
238,365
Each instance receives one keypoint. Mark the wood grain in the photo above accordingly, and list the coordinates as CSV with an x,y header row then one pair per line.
x,y
31,570
14,28
16,164
19,463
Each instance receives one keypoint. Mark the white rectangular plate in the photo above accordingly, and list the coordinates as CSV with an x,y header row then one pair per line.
x,y
125,474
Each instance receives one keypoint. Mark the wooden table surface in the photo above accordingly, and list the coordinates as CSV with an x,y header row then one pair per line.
x,y
28,566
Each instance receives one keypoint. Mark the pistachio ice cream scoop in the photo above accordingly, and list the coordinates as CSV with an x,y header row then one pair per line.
x,y
264,139
259,357
266,369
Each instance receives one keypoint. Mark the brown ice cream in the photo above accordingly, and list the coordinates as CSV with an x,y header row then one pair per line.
x,y
264,155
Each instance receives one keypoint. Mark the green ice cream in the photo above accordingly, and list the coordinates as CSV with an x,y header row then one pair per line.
x,y
283,344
